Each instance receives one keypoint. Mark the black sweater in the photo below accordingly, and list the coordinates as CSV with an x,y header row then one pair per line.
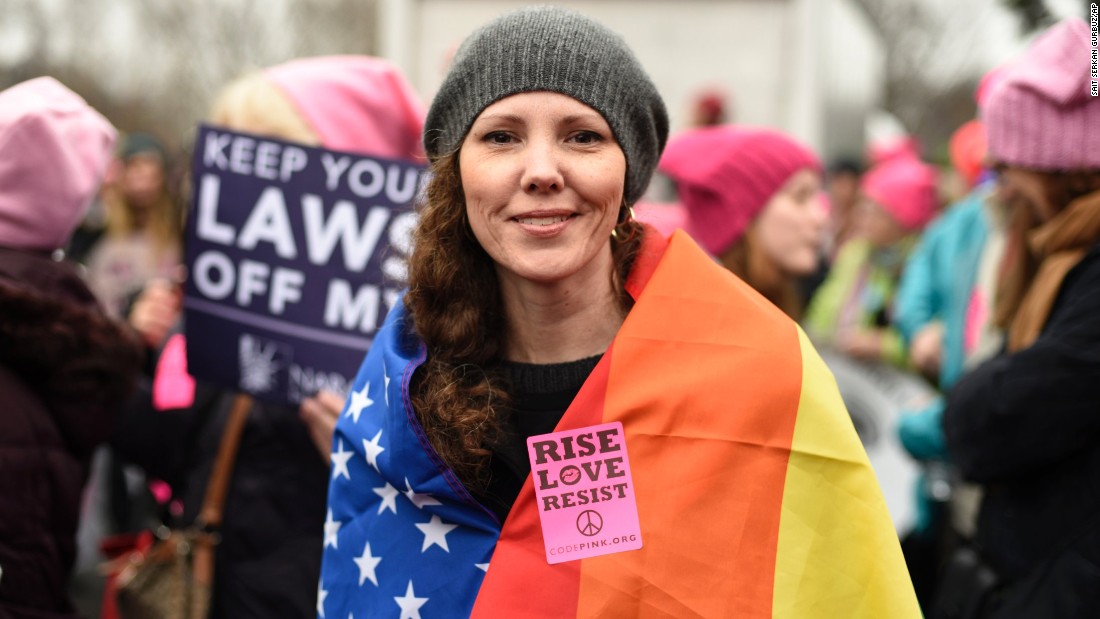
x,y
540,394
1027,426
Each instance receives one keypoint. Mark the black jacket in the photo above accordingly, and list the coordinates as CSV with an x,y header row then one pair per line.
x,y
269,560
65,368
1027,427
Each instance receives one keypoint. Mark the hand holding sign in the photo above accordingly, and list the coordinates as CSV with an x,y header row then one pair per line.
x,y
156,311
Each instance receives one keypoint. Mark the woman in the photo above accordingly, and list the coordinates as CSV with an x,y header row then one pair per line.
x,y
942,315
538,305
269,558
65,366
842,186
853,309
753,199
142,236
1024,424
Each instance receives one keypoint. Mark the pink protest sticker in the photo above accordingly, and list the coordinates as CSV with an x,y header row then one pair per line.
x,y
585,492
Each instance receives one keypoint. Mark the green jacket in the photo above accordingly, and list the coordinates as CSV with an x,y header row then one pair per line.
x,y
859,293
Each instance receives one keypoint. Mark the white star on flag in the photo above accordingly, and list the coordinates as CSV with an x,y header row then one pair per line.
x,y
321,595
435,532
332,527
386,383
359,401
389,498
373,449
419,500
410,604
340,461
482,566
367,562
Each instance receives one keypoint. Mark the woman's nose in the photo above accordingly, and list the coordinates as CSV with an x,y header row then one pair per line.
x,y
543,171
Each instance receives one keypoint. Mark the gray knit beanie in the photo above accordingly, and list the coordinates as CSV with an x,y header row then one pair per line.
x,y
558,50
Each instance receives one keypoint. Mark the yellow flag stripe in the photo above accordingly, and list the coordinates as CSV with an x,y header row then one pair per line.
x,y
838,555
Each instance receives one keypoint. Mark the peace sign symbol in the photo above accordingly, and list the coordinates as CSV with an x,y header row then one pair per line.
x,y
590,522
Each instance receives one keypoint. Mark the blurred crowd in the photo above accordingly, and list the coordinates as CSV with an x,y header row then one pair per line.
x,y
991,296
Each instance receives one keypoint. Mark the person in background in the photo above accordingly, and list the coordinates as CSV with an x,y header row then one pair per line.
x,y
65,365
1024,424
268,561
853,308
142,239
537,303
943,315
948,288
842,186
140,242
753,199
711,107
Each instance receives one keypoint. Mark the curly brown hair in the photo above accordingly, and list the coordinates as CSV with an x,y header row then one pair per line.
x,y
455,303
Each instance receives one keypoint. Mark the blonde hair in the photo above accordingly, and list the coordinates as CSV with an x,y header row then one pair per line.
x,y
162,221
163,225
253,104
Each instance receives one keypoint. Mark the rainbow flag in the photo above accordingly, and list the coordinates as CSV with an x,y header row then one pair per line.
x,y
754,495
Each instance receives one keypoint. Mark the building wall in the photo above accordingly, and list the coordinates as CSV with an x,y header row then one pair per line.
x,y
769,55
852,74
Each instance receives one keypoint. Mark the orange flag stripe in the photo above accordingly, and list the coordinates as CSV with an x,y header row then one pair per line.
x,y
709,464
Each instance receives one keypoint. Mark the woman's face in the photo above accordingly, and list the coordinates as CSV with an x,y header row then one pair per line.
x,y
791,228
877,225
1026,189
543,178
843,191
142,180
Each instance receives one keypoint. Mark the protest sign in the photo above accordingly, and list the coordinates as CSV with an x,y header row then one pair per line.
x,y
294,257
585,492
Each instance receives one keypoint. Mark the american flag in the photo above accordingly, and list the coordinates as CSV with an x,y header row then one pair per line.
x,y
403,538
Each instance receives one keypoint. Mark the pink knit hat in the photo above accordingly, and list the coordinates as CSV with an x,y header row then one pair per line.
x,y
54,149
726,175
986,85
906,188
355,103
902,146
1039,114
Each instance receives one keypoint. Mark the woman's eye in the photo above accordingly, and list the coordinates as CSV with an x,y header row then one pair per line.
x,y
586,137
498,137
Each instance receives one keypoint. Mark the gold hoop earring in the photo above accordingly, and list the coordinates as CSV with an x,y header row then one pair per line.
x,y
629,218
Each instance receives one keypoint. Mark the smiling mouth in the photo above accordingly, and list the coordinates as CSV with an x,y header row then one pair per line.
x,y
542,221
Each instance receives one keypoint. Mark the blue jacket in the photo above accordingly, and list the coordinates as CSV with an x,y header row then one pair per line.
x,y
940,275
936,285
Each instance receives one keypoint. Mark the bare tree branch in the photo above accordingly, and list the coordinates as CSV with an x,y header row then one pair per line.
x,y
156,65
